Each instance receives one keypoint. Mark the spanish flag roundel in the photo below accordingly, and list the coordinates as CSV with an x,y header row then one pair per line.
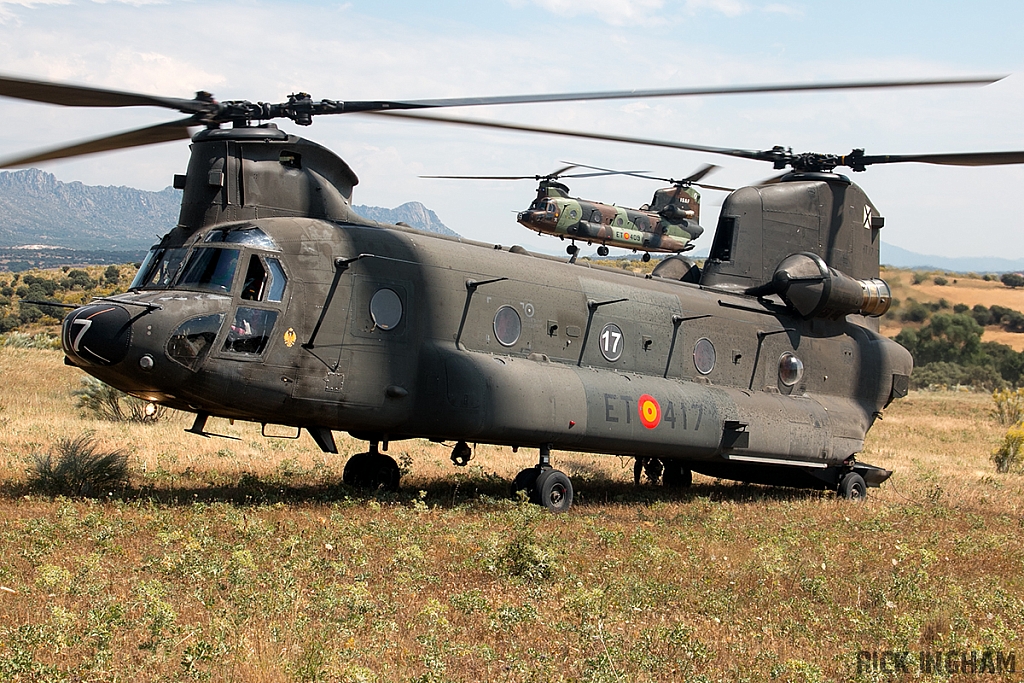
x,y
650,411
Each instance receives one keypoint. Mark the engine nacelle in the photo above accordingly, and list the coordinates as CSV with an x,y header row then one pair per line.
x,y
813,290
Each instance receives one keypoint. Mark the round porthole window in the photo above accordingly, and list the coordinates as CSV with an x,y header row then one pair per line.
x,y
507,326
386,309
704,356
791,369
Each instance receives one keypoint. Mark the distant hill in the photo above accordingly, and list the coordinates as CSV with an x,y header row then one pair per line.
x,y
38,209
38,213
902,258
411,213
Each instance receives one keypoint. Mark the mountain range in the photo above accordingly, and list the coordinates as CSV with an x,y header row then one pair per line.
x,y
39,213
38,210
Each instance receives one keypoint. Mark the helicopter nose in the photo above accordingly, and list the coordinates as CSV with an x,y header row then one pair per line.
x,y
97,334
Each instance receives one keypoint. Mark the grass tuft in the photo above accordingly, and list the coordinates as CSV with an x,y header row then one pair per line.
x,y
78,469
104,402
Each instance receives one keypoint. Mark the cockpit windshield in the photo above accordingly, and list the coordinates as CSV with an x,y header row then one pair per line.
x,y
209,268
159,269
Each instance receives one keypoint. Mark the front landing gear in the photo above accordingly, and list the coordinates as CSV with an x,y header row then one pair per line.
x,y
544,485
372,471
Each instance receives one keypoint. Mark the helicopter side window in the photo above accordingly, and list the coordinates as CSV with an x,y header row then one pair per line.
x,y
250,331
278,280
725,238
190,342
255,283
209,269
159,268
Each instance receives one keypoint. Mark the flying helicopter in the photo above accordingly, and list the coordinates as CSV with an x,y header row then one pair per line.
x,y
668,224
272,301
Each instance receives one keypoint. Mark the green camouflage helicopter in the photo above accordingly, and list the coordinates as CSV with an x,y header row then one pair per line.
x,y
668,224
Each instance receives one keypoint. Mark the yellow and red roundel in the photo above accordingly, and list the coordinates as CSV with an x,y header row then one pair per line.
x,y
650,411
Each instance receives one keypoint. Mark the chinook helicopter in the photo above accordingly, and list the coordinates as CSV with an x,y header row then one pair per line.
x,y
667,225
272,301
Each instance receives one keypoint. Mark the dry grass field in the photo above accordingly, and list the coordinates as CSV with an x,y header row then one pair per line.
x,y
958,290
248,560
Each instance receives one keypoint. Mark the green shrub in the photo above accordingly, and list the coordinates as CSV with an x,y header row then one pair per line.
x,y
1009,406
914,312
1008,453
104,402
20,340
940,281
919,277
944,375
78,470
1012,280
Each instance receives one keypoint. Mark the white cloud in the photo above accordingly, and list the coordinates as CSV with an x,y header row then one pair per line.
x,y
780,8
730,8
614,12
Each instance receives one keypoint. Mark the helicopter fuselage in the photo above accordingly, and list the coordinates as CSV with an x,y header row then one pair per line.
x,y
391,333
669,230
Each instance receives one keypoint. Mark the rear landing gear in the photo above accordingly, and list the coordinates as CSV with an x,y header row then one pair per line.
x,y
646,257
372,471
852,487
544,485
669,472
602,250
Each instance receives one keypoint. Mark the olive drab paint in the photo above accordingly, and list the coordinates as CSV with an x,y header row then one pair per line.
x,y
328,321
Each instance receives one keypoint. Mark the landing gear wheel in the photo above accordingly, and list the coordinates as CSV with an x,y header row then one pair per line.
x,y
554,491
652,467
571,249
371,471
646,257
526,481
852,487
602,251
675,475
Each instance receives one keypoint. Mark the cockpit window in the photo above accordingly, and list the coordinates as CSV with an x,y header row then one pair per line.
x,y
255,283
250,331
159,269
277,280
247,235
210,269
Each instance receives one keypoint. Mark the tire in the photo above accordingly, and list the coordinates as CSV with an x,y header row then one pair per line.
x,y
554,491
526,481
852,487
675,475
372,471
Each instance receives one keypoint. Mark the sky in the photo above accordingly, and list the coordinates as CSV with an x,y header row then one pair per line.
x,y
399,49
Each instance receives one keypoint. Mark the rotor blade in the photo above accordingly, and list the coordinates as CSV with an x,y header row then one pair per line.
x,y
163,132
742,153
714,187
952,159
609,171
668,92
700,173
482,177
598,174
84,96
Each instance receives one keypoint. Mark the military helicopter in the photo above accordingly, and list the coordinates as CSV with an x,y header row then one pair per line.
x,y
667,225
272,301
